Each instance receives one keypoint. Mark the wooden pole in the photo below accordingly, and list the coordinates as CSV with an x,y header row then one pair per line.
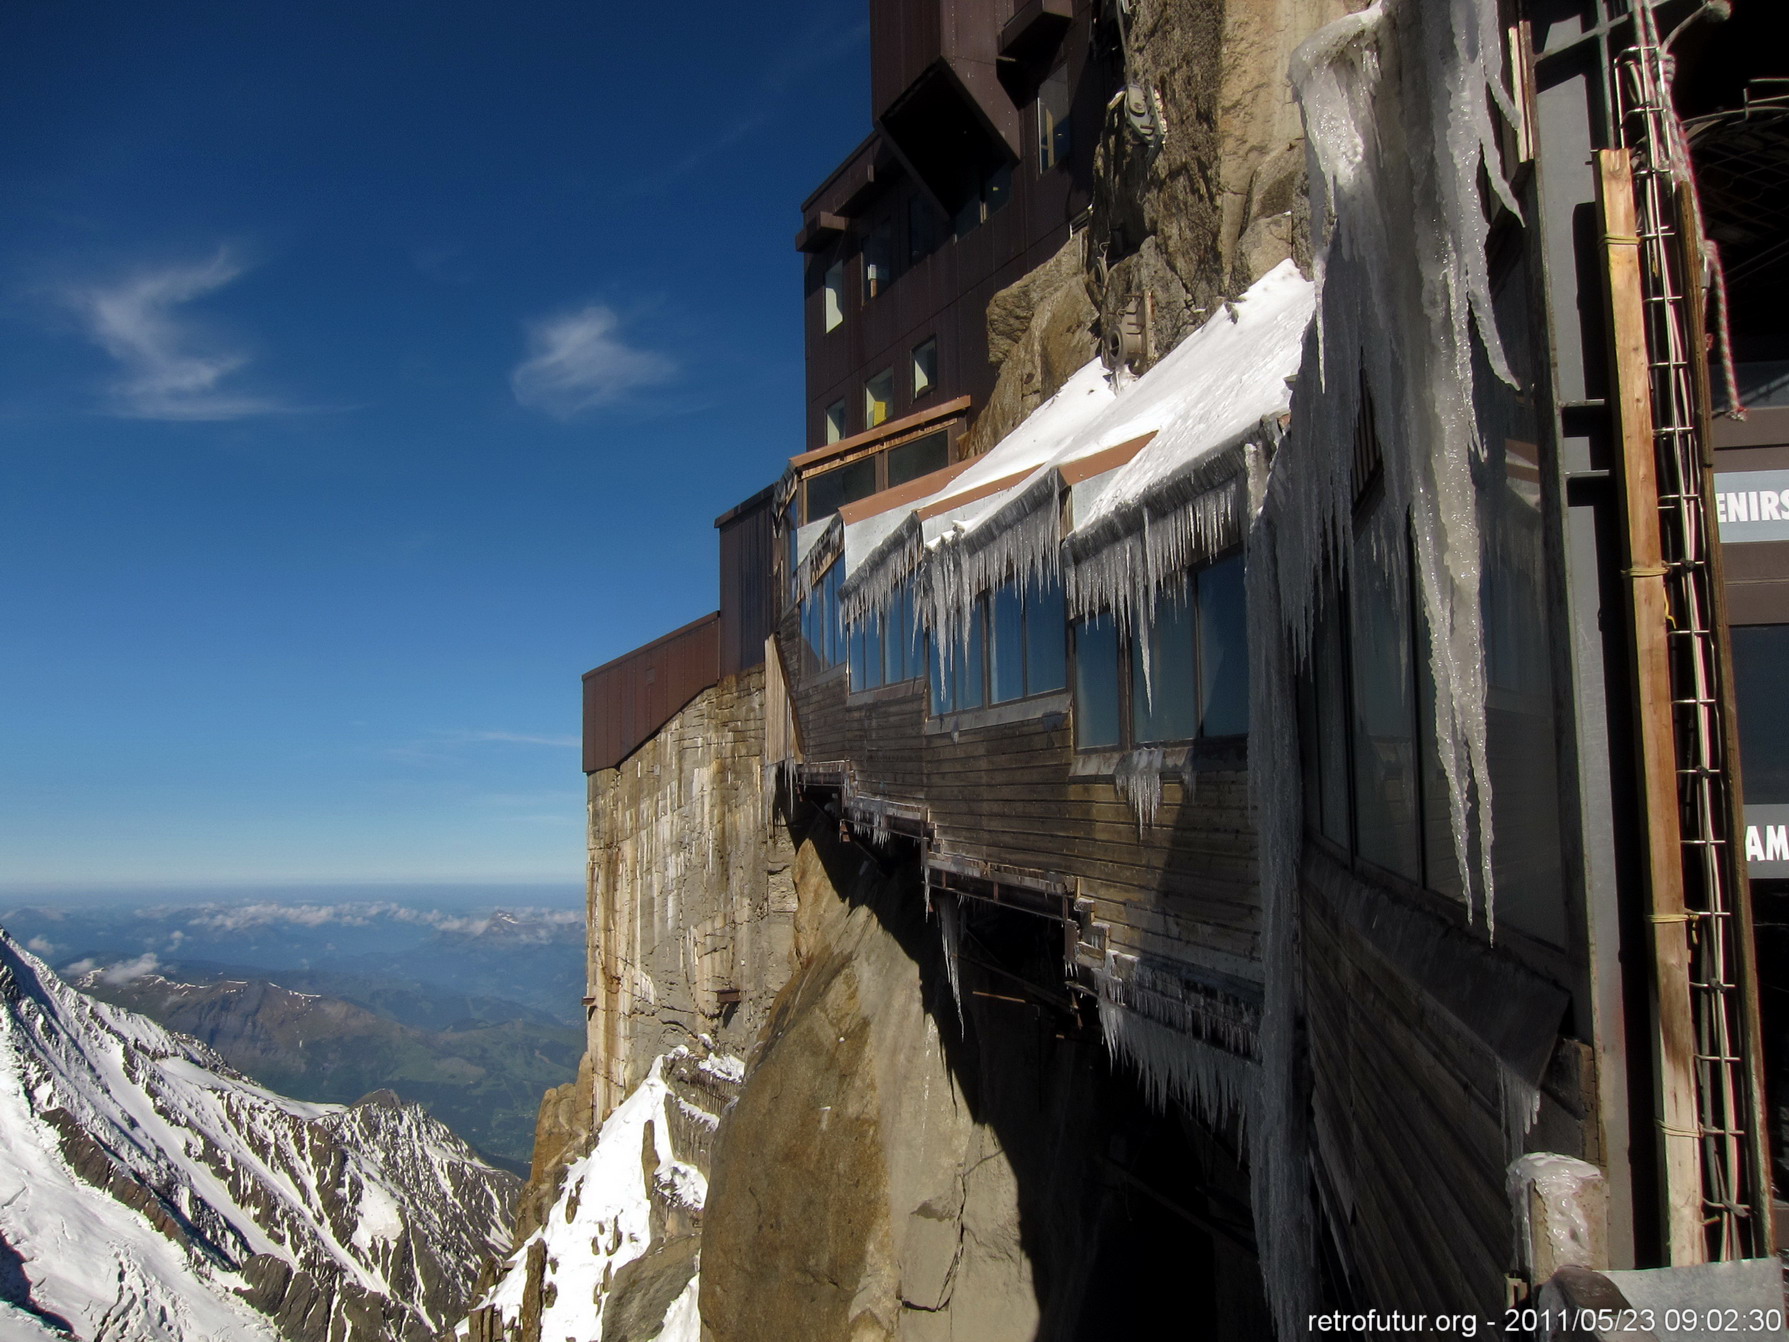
x,y
1636,476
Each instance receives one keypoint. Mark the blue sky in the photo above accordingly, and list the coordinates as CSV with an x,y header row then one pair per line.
x,y
368,371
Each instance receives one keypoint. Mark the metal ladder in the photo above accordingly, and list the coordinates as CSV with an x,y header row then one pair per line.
x,y
1667,218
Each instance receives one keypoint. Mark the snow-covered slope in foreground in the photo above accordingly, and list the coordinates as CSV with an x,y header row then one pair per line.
x,y
618,1253
150,1192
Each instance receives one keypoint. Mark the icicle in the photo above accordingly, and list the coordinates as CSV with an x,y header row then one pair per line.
x,y
951,934
1521,1105
1022,539
871,585
1138,779
1151,545
1397,131
1175,1067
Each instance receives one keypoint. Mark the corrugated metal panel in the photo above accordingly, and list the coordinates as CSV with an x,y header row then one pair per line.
x,y
748,583
630,698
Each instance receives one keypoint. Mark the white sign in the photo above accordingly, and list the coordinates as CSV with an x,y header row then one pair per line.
x,y
1752,505
1767,841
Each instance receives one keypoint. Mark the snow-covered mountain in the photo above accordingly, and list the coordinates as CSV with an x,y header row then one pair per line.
x,y
618,1253
148,1191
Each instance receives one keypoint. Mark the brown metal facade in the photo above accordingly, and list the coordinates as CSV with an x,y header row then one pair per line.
x,y
748,591
630,698
955,117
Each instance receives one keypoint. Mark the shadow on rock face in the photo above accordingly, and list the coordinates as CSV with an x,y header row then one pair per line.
x,y
644,1290
902,1167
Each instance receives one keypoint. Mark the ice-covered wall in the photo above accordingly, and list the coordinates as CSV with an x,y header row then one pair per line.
x,y
1396,102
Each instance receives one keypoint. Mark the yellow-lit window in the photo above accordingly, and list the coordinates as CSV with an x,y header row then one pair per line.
x,y
878,398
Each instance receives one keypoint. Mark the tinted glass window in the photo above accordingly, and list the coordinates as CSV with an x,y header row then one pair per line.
x,y
1164,684
1223,651
1006,646
832,298
920,457
856,647
1330,686
1761,685
872,655
970,666
1046,639
1097,720
925,367
943,687
878,398
831,490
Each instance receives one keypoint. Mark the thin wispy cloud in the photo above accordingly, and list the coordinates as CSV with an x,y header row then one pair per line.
x,y
534,924
650,184
170,365
823,44
526,738
578,361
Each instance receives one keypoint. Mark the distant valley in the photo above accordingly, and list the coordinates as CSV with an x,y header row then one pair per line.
x,y
484,1079
472,1013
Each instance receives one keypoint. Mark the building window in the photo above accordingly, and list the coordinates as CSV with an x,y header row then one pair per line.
x,y
921,456
831,490
1017,649
886,649
1183,678
1053,102
1098,713
959,671
878,398
1367,715
820,627
832,297
1164,673
1027,640
997,190
833,426
878,261
984,200
925,367
925,230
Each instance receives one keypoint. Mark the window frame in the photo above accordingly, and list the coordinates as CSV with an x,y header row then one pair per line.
x,y
1128,673
928,346
835,429
870,421
832,297
983,620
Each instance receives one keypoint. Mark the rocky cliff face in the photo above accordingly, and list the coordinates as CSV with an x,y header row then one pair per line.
x,y
480,1078
690,898
1178,228
912,1231
149,1191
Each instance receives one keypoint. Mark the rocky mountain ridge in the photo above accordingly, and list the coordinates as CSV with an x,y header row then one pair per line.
x,y
150,1191
483,1079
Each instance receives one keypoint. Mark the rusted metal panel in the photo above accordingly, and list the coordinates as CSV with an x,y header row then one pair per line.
x,y
748,581
627,700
